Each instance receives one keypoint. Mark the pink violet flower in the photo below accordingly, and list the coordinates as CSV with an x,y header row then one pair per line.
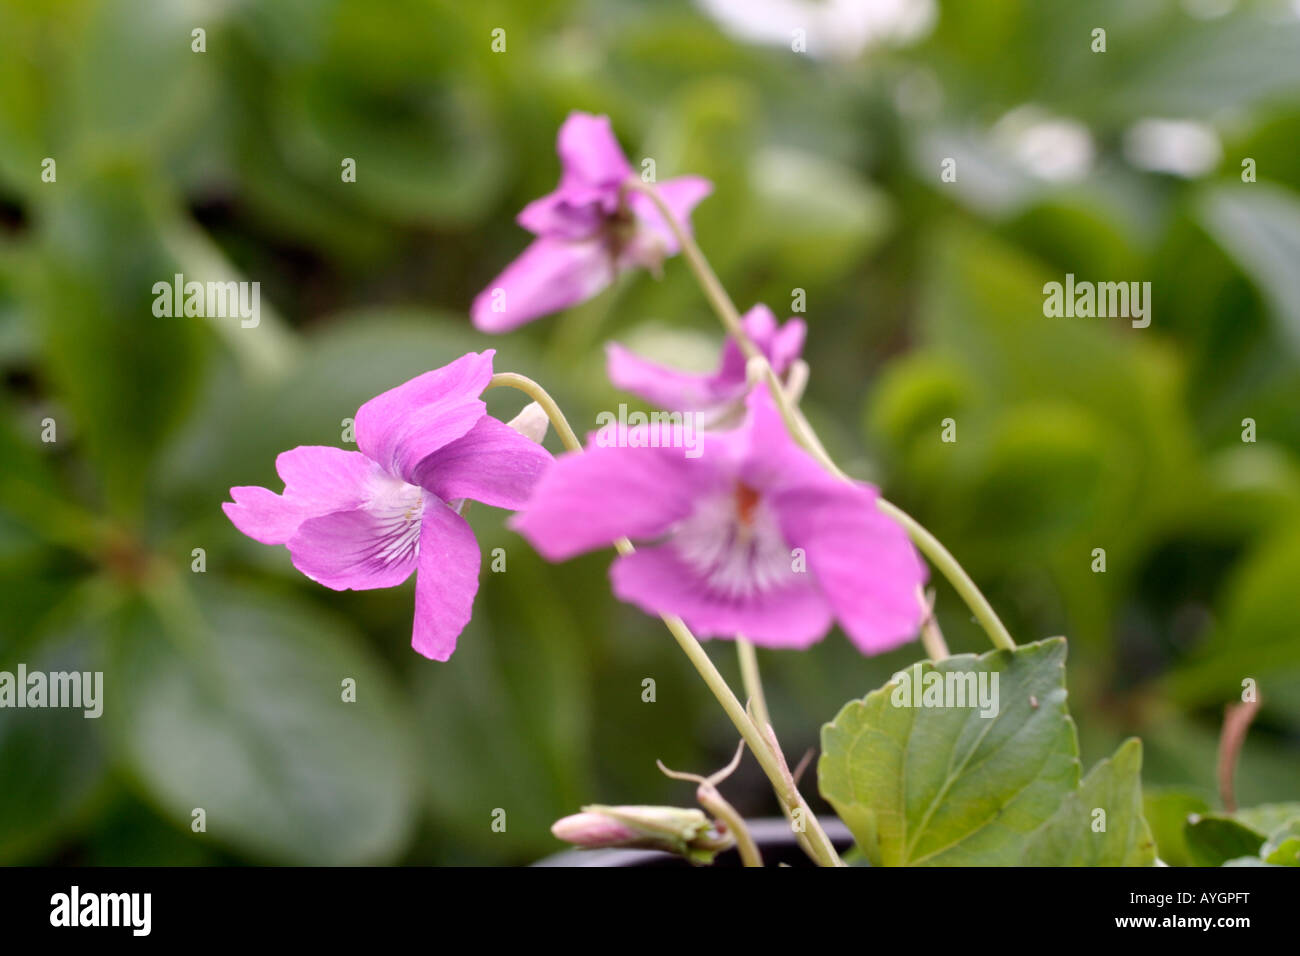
x,y
369,518
752,537
675,390
588,230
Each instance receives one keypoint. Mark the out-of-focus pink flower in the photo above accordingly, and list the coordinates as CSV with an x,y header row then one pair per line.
x,y
587,231
683,391
751,537
366,519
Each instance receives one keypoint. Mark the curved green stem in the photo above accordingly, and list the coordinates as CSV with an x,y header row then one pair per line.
x,y
704,274
804,434
710,799
538,394
752,680
773,764
935,646
942,559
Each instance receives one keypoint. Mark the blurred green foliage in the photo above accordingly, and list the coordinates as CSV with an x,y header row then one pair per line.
x,y
924,303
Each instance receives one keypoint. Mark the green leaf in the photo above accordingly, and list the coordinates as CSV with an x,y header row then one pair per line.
x,y
946,786
913,392
116,59
234,704
1069,838
1120,467
1044,472
1214,840
1259,226
426,147
816,215
1196,68
1281,821
51,759
1166,813
128,832
23,109
1254,631
93,298
1283,845
1268,817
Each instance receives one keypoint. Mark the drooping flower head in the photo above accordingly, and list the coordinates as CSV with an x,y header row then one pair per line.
x,y
588,231
752,537
368,518
714,393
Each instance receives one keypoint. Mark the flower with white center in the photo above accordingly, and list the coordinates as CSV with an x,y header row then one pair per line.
x,y
752,537
369,518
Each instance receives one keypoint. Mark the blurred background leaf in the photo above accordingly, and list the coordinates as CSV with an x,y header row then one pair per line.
x,y
237,708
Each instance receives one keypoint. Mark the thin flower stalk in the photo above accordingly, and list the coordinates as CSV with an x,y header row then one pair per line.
x,y
773,765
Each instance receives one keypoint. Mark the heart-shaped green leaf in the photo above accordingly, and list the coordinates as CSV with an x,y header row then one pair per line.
x,y
946,785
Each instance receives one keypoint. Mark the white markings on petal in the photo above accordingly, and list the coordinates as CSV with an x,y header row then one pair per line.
x,y
734,542
398,509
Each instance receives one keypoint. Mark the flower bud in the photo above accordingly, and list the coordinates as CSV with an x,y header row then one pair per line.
x,y
592,830
531,422
687,833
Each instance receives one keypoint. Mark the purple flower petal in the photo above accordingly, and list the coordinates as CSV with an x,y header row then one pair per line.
x,y
781,344
566,214
681,196
550,275
447,580
665,387
491,463
786,345
862,559
759,324
406,424
317,480
669,388
372,546
594,169
659,581
590,153
263,515
582,243
773,461
589,500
